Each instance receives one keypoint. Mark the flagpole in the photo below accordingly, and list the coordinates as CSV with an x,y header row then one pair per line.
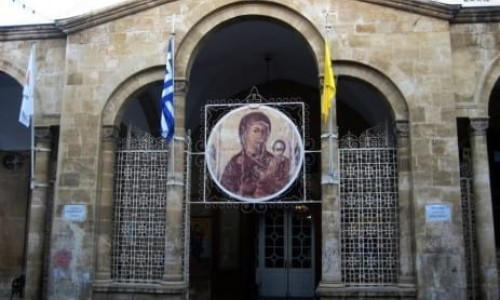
x,y
330,113
32,143
32,180
172,36
27,113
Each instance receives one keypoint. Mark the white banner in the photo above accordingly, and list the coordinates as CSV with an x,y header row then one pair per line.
x,y
29,90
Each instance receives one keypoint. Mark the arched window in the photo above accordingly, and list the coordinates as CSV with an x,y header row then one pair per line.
x,y
368,186
369,208
139,209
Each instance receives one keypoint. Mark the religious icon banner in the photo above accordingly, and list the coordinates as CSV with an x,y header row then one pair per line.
x,y
254,153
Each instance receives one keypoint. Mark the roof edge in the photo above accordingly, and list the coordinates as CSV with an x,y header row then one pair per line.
x,y
30,32
431,9
477,15
109,13
453,13
106,14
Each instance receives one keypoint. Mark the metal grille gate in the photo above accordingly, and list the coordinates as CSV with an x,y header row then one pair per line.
x,y
139,211
139,220
468,227
369,208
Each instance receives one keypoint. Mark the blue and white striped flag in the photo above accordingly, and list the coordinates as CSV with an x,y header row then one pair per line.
x,y
167,95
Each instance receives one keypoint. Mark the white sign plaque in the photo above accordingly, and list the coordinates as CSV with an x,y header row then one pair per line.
x,y
437,213
75,212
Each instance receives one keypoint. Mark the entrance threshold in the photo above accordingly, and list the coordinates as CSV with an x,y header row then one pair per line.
x,y
267,298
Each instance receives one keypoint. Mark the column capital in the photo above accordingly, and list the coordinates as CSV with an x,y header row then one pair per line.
x,y
478,126
181,87
110,133
43,134
402,128
321,80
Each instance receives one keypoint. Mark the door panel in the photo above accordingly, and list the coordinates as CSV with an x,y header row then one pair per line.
x,y
301,273
285,249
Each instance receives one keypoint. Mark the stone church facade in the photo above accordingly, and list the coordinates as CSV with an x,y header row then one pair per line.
x,y
428,74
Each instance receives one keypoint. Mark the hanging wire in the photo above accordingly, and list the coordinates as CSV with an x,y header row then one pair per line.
x,y
30,9
71,8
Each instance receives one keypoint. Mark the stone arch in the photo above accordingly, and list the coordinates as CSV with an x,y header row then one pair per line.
x,y
13,71
191,43
114,107
379,81
17,73
486,84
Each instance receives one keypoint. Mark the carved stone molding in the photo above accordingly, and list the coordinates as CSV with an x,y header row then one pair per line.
x,y
30,32
181,87
110,134
402,128
478,126
43,135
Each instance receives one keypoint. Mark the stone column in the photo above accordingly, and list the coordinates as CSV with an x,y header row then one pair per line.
x,y
174,236
483,210
110,135
37,214
406,275
331,274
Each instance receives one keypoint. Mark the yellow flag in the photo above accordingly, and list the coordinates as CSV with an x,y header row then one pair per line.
x,y
329,88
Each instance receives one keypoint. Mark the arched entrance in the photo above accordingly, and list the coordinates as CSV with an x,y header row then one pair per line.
x,y
369,190
14,183
493,136
237,252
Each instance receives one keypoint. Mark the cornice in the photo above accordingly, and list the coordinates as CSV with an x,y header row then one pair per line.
x,y
70,25
426,8
478,15
61,28
74,24
454,13
107,14
30,32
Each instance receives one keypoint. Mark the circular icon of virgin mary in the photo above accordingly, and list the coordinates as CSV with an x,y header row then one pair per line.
x,y
254,153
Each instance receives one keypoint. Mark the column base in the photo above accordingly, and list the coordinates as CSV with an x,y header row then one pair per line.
x,y
329,291
114,290
103,278
172,278
406,281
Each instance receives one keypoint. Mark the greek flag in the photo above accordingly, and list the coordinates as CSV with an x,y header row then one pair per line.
x,y
167,95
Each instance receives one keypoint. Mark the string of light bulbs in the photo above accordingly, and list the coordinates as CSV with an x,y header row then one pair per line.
x,y
30,9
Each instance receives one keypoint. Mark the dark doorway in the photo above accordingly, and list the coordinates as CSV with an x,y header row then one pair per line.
x,y
493,135
241,54
15,158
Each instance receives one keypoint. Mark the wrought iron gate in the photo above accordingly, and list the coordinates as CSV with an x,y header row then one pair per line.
x,y
369,208
468,227
139,219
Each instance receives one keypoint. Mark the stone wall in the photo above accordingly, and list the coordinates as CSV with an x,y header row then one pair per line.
x,y
50,77
476,69
429,63
476,59
412,50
